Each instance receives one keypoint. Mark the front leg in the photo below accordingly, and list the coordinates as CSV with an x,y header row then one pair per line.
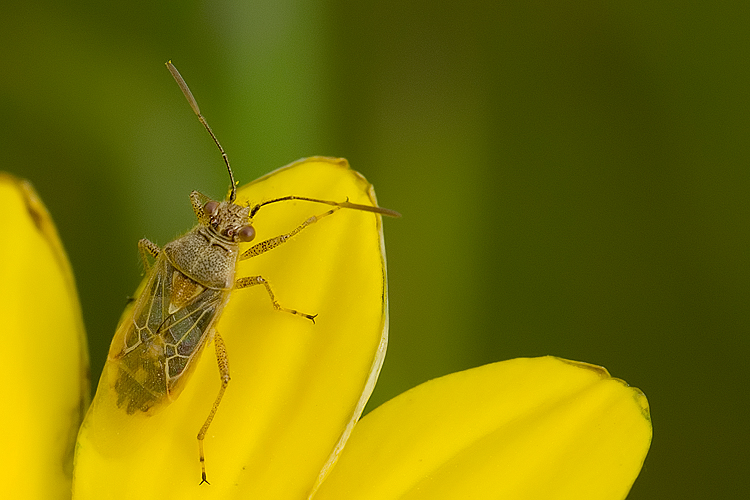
x,y
270,244
146,248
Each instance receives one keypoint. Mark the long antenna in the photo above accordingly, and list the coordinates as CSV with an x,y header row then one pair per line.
x,y
193,104
345,204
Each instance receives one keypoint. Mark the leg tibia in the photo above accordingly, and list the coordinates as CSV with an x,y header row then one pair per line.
x,y
260,280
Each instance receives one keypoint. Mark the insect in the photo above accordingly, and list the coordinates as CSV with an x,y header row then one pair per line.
x,y
156,348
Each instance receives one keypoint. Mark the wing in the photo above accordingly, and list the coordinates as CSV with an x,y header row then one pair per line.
x,y
156,347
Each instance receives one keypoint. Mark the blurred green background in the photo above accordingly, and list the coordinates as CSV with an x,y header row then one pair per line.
x,y
574,176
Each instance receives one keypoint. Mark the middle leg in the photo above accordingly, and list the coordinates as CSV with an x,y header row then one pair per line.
x,y
260,280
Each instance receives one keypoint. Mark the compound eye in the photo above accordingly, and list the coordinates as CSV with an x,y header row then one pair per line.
x,y
247,233
211,207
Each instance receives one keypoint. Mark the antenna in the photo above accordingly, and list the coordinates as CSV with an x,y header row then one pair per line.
x,y
345,204
193,104
233,194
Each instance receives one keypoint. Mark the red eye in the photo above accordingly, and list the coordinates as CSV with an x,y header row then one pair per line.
x,y
210,207
247,233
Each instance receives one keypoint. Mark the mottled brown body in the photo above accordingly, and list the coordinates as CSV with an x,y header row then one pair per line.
x,y
156,348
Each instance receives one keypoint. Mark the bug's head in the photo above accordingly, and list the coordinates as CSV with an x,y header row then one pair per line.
x,y
228,221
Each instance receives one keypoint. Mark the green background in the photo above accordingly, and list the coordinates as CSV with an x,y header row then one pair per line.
x,y
574,176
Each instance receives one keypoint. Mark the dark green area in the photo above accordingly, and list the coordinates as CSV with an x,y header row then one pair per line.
x,y
574,177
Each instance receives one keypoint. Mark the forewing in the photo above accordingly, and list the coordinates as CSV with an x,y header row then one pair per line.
x,y
185,333
153,351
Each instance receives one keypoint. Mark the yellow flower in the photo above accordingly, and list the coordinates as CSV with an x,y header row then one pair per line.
x,y
525,428
539,428
44,367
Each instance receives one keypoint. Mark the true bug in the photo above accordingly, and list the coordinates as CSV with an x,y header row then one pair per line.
x,y
157,346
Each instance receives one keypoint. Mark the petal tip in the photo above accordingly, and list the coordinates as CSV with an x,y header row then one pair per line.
x,y
638,395
600,371
640,399
34,206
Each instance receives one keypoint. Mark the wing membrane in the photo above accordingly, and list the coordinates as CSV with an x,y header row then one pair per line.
x,y
153,351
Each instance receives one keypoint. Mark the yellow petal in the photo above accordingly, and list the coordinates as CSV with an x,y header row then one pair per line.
x,y
542,428
295,386
43,356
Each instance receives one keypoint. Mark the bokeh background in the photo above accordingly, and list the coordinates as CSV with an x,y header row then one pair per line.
x,y
574,176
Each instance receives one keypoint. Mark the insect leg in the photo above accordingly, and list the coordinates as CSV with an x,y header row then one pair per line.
x,y
270,244
221,358
199,201
146,248
260,280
